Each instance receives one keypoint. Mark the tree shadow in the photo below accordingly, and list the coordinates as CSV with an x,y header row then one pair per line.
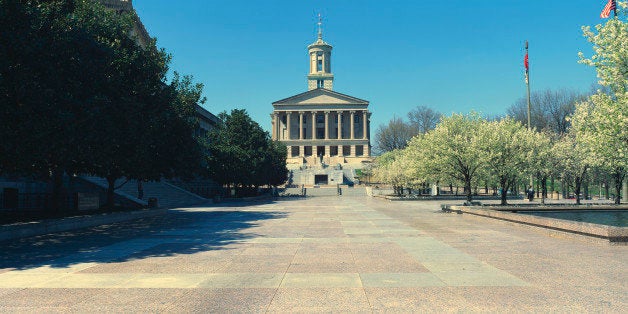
x,y
180,231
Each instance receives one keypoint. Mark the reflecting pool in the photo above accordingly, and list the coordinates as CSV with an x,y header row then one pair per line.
x,y
617,218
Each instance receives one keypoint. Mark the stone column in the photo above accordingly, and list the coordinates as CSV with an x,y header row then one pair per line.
x,y
313,125
352,153
352,125
289,151
301,126
301,151
326,125
327,151
288,125
339,125
340,152
366,150
364,126
273,116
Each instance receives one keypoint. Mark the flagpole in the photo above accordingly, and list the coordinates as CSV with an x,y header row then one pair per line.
x,y
615,10
528,87
529,115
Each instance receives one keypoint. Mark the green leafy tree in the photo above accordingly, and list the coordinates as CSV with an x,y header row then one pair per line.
x,y
601,123
242,155
79,95
49,60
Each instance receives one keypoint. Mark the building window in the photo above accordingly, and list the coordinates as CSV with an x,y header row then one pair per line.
x,y
320,118
319,84
356,119
319,62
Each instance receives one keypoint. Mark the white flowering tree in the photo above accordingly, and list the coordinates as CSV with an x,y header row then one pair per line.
x,y
390,168
601,123
573,162
451,151
544,163
509,150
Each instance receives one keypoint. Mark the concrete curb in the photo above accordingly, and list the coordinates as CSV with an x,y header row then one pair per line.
x,y
610,233
31,229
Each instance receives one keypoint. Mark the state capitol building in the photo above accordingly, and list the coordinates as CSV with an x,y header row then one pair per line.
x,y
322,127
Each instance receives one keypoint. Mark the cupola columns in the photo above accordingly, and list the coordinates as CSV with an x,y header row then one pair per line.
x,y
320,75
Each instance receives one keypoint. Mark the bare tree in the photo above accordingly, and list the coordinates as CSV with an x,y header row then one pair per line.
x,y
549,109
395,135
423,119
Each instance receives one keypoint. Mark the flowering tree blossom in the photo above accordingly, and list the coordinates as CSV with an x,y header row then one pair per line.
x,y
573,161
601,123
451,151
509,150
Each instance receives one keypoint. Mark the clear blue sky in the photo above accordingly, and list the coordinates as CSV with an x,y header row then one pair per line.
x,y
452,56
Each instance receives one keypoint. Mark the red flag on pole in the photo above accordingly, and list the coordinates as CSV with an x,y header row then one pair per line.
x,y
610,6
526,65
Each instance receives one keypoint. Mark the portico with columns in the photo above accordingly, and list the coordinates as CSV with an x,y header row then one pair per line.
x,y
322,125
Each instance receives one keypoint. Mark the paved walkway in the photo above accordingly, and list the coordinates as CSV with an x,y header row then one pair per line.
x,y
323,254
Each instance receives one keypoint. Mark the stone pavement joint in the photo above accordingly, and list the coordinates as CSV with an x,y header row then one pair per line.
x,y
312,255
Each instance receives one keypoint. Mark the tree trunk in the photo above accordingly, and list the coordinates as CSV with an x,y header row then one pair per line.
x,y
577,190
57,190
505,187
552,184
619,178
111,186
467,187
585,190
544,189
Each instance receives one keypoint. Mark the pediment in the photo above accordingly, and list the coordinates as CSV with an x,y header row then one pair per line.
x,y
321,96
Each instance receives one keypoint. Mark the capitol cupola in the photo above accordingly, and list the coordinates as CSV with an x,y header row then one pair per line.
x,y
320,75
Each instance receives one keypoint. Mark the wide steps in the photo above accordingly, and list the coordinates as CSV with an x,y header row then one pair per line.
x,y
167,195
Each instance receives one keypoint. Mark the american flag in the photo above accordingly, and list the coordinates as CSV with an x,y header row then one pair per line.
x,y
610,6
526,65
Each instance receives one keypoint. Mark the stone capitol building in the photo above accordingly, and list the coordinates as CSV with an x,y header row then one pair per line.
x,y
327,133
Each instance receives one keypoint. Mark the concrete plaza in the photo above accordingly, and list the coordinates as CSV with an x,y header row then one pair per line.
x,y
321,254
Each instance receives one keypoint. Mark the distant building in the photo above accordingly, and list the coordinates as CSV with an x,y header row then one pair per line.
x,y
322,125
139,31
207,120
327,133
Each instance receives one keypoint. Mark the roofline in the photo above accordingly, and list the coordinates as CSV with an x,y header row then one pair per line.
x,y
206,114
324,89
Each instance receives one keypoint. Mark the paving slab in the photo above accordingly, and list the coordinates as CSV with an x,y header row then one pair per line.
x,y
332,254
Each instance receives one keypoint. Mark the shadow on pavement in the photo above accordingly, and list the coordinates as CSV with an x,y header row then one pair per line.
x,y
180,231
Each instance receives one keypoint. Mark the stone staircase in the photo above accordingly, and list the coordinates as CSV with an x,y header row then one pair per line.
x,y
328,191
168,195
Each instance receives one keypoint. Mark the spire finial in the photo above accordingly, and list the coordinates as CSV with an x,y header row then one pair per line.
x,y
320,28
